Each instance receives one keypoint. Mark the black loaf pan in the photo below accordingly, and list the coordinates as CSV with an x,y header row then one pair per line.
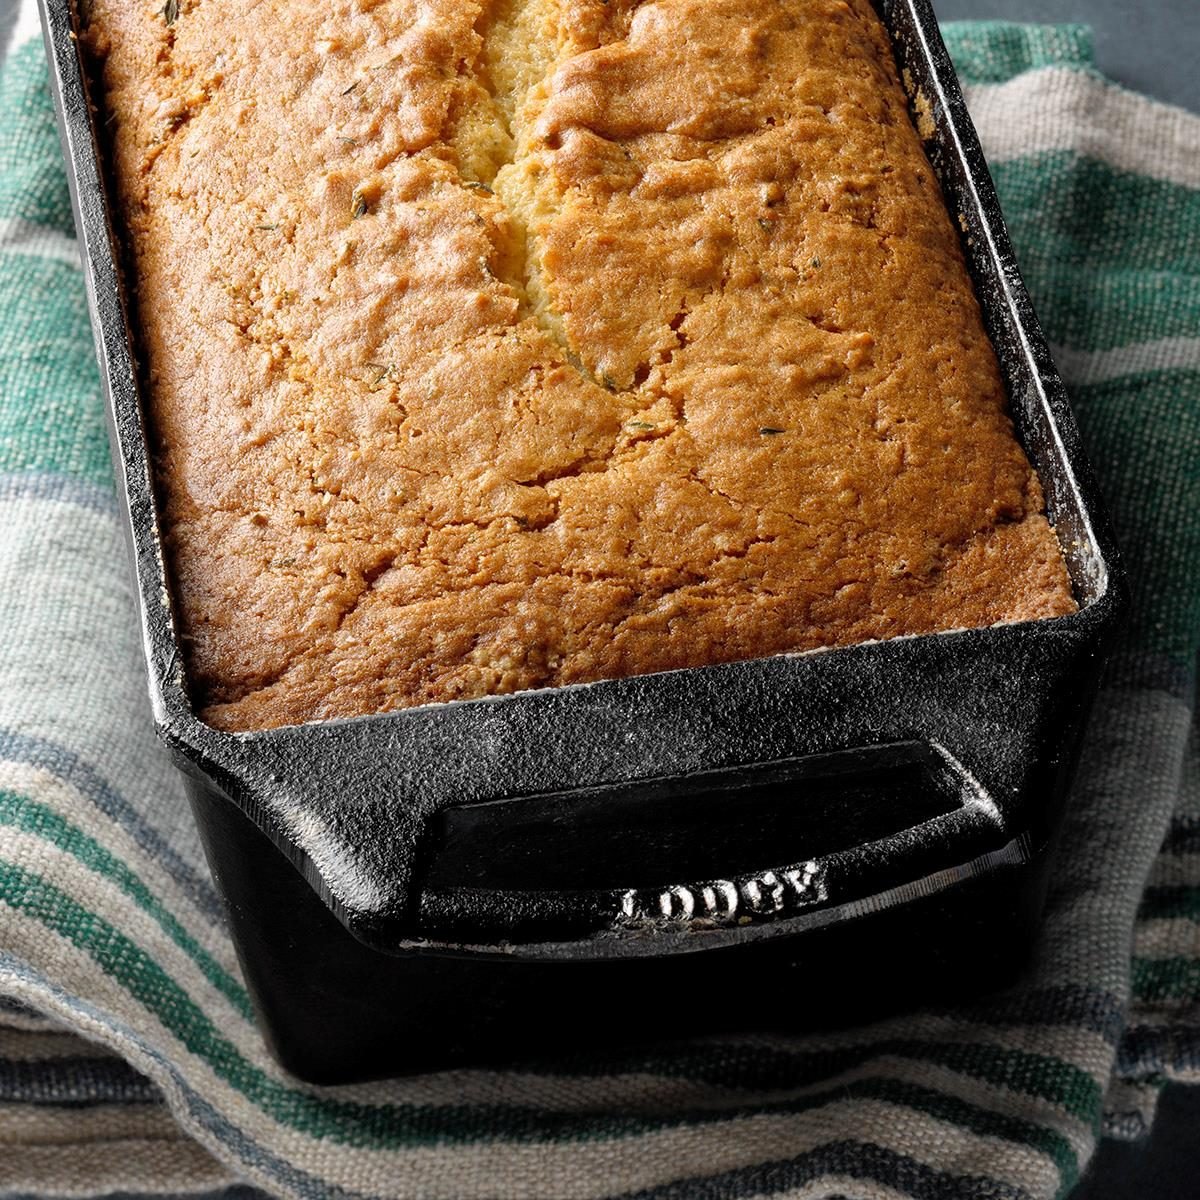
x,y
757,844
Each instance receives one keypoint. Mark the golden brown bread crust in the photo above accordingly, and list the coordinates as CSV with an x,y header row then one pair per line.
x,y
497,346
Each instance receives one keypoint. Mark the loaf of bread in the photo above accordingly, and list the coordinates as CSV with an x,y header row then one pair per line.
x,y
514,344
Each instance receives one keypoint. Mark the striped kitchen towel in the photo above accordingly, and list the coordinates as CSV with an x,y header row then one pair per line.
x,y
129,1062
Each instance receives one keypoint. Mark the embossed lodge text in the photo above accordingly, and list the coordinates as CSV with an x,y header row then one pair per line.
x,y
722,901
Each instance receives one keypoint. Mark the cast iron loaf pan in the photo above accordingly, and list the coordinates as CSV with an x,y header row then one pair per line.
x,y
751,844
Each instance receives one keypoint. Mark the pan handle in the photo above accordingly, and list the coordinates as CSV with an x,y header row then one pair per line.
x,y
678,917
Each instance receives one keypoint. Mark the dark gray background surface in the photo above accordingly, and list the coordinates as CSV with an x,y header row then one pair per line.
x,y
1152,46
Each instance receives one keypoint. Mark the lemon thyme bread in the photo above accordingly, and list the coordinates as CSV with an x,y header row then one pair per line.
x,y
496,346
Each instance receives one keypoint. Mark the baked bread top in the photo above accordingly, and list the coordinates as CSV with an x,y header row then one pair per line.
x,y
507,345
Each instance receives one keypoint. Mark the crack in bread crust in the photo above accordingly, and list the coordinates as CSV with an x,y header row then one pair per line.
x,y
501,345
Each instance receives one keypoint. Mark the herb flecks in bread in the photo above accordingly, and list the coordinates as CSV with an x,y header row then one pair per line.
x,y
500,346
